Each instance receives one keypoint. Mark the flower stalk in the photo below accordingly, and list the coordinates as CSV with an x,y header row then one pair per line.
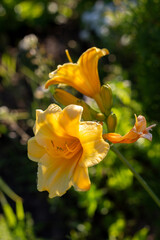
x,y
138,177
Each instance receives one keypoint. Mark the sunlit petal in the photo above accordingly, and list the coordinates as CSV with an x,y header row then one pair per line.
x,y
35,151
88,63
94,147
54,174
41,115
80,179
70,118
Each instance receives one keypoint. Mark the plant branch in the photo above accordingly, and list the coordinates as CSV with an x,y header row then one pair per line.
x,y
138,177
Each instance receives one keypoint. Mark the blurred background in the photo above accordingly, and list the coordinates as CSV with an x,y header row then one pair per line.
x,y
33,39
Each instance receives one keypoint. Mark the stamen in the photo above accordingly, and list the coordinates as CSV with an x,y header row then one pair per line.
x,y
68,56
69,150
52,143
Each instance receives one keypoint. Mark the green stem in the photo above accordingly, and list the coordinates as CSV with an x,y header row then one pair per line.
x,y
139,178
8,191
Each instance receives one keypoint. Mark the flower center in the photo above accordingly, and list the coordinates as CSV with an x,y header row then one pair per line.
x,y
66,148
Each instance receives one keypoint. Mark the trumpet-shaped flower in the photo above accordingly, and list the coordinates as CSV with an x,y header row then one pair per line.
x,y
83,75
64,148
138,131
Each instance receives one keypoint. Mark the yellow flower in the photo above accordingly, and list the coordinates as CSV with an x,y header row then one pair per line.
x,y
138,131
64,148
83,75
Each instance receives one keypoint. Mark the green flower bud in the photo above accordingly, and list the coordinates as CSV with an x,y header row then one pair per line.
x,y
107,99
111,122
100,117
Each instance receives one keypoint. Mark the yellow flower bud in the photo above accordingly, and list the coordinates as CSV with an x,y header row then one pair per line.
x,y
66,98
87,110
111,122
106,96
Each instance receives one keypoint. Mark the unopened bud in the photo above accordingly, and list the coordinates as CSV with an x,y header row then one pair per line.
x,y
86,115
66,98
111,122
100,117
107,99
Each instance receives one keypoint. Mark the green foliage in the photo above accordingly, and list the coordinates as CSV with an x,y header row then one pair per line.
x,y
29,10
13,225
5,233
116,229
7,68
121,179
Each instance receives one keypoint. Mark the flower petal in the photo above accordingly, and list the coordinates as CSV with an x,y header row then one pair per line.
x,y
35,151
130,137
54,174
80,179
88,63
140,124
41,115
94,147
69,119
47,127
147,136
69,73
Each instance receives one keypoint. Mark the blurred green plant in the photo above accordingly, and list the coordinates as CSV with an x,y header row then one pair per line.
x,y
13,225
7,68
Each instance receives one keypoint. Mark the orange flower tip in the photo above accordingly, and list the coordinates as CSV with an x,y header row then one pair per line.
x,y
84,189
105,51
140,118
48,83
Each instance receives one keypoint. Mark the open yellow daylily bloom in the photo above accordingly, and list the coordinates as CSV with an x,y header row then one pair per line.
x,y
138,131
83,75
64,148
